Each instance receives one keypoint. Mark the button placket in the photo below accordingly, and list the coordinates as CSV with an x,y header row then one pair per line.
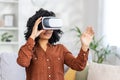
x,y
49,68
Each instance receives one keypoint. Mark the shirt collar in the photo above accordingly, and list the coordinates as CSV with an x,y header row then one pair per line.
x,y
48,44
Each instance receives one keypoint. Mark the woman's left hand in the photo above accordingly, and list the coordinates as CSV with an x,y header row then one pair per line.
x,y
86,38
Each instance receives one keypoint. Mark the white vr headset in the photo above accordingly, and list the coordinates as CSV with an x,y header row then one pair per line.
x,y
51,23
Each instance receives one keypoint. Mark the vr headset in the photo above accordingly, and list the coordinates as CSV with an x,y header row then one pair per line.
x,y
51,23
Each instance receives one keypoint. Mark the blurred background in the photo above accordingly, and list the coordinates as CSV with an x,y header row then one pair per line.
x,y
103,15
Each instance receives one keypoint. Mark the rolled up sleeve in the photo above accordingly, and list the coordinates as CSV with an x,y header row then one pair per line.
x,y
77,63
25,53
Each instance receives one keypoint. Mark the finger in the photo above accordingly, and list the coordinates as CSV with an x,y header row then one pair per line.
x,y
39,19
39,32
87,35
90,30
37,22
87,29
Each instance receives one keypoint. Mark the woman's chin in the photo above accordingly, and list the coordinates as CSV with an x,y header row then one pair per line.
x,y
47,37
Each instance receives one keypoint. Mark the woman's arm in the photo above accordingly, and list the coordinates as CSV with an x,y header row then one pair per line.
x,y
25,53
77,63
80,61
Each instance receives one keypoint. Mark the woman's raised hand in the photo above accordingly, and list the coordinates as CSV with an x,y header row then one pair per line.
x,y
35,31
87,37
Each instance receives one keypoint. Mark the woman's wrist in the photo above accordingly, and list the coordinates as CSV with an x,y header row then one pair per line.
x,y
85,48
32,36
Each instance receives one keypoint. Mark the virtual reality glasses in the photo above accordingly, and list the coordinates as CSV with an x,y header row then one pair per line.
x,y
51,23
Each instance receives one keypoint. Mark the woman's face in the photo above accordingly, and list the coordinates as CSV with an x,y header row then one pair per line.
x,y
46,34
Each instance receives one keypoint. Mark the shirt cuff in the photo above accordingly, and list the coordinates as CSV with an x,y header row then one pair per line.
x,y
84,52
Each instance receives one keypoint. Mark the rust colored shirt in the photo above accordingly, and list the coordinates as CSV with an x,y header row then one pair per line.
x,y
49,64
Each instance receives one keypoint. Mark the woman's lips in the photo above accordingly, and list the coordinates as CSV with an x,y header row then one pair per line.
x,y
47,33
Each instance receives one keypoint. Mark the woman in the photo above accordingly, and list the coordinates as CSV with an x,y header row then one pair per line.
x,y
42,58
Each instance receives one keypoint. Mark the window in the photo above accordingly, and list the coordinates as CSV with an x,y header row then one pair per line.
x,y
112,22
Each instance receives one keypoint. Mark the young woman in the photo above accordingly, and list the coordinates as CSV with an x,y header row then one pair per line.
x,y
42,58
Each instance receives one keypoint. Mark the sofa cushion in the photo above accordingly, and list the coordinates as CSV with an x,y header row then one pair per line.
x,y
82,75
9,69
103,72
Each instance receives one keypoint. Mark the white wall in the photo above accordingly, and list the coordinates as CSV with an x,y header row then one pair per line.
x,y
93,15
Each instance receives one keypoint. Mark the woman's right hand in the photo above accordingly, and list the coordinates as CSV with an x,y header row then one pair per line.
x,y
35,31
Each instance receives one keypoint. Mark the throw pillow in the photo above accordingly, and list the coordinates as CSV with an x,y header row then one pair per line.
x,y
103,72
82,75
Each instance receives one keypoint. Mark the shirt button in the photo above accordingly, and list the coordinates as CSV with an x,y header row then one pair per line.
x,y
48,67
47,59
49,76
35,58
58,58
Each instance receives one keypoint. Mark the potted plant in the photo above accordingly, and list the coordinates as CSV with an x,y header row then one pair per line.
x,y
100,52
5,37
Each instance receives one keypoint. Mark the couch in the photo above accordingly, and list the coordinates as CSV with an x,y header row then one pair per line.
x,y
10,70
95,71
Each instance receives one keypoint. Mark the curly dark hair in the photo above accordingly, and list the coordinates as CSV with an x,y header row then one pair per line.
x,y
31,21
